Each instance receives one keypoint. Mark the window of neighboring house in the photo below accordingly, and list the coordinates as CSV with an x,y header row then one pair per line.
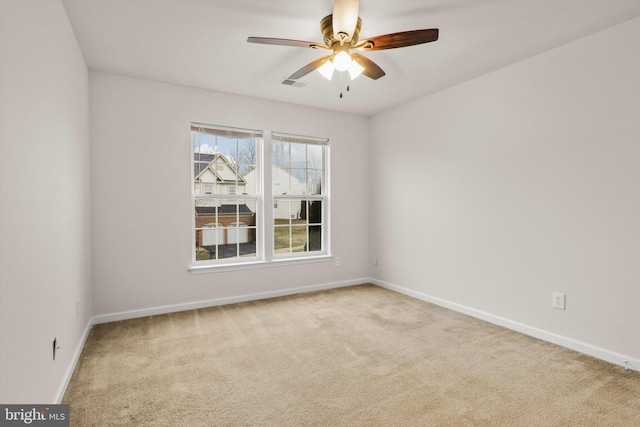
x,y
225,161
299,182
231,204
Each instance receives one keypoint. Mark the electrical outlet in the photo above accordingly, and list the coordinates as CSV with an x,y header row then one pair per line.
x,y
375,260
558,300
337,261
77,309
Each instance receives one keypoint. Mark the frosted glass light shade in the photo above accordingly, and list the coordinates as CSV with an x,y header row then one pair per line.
x,y
327,70
355,69
342,61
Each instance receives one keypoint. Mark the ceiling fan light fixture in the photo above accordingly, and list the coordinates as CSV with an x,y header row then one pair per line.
x,y
341,33
355,70
327,70
342,61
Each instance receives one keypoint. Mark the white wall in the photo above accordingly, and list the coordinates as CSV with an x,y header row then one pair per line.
x,y
141,185
44,223
492,194
497,192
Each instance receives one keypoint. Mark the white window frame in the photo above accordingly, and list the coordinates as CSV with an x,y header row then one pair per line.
x,y
323,197
265,256
217,199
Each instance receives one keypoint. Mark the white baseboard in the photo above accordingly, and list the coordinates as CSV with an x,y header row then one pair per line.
x,y
72,364
600,353
124,315
579,346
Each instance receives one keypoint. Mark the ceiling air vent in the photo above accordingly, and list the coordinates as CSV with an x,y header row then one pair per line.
x,y
293,83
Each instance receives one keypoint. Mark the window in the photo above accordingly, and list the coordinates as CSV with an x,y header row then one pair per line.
x,y
257,198
225,161
299,187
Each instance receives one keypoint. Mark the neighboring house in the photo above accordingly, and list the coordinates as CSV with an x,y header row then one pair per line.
x,y
222,221
230,227
214,174
283,183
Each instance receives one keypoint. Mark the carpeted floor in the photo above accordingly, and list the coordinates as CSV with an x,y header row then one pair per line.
x,y
356,356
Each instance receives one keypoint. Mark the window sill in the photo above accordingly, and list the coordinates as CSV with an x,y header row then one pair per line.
x,y
203,269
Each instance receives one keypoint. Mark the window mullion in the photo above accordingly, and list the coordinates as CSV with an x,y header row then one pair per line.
x,y
267,197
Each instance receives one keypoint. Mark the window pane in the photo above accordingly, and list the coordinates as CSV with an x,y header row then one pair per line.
x,y
252,205
314,182
315,212
297,182
202,254
280,154
299,236
203,150
205,216
247,155
228,147
282,211
314,156
281,236
315,238
249,182
280,180
298,155
246,167
225,172
203,145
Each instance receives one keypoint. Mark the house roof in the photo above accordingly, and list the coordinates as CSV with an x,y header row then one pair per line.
x,y
202,162
224,210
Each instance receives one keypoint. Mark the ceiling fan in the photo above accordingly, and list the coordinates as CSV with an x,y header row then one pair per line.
x,y
340,31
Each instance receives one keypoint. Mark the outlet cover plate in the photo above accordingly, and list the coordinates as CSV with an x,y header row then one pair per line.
x,y
559,300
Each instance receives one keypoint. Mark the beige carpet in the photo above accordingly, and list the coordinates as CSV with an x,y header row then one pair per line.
x,y
357,356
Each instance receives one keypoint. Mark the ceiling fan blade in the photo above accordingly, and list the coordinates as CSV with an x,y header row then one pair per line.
x,y
401,39
314,65
286,42
371,69
345,18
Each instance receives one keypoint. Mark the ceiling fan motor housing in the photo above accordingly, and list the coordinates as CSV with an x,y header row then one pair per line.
x,y
326,27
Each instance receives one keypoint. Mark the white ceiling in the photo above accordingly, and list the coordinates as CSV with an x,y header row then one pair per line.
x,y
202,43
